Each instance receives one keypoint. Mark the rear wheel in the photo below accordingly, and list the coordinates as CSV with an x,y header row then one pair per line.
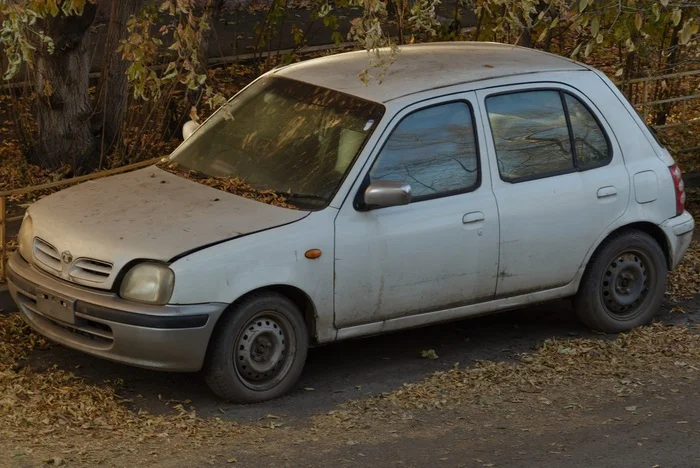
x,y
624,284
258,350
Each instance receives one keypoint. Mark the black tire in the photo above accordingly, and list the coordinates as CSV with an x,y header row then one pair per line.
x,y
624,283
258,349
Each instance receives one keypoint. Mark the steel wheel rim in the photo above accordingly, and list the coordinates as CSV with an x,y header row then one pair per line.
x,y
626,283
264,350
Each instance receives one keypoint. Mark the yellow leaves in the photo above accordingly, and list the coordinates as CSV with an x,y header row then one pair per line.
x,y
47,89
583,4
638,20
577,49
74,7
684,281
52,8
689,29
595,26
676,16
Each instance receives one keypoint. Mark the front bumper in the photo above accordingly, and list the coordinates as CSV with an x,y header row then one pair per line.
x,y
173,338
679,233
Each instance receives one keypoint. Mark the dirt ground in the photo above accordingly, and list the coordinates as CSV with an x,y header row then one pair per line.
x,y
376,402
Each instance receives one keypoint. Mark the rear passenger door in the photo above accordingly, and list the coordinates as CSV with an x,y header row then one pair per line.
x,y
559,181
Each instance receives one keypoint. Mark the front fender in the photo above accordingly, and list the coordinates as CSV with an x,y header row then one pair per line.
x,y
227,271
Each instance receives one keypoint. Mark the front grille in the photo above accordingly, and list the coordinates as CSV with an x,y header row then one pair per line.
x,y
94,271
47,254
85,330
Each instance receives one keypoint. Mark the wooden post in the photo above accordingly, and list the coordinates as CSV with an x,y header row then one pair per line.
x,y
3,226
684,118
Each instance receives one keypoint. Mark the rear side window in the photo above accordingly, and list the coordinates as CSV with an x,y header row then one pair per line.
x,y
433,150
530,133
542,133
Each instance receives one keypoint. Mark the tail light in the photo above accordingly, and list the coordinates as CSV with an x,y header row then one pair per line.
x,y
679,187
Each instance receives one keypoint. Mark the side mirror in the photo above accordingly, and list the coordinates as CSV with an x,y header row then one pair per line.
x,y
189,128
386,193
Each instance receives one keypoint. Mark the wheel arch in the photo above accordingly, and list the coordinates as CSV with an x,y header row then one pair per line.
x,y
300,299
644,226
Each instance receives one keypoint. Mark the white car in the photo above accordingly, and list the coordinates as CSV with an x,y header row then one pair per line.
x,y
313,208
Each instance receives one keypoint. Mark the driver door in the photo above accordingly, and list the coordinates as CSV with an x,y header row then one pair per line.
x,y
439,251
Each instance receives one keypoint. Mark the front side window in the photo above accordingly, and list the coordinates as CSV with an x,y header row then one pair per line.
x,y
533,132
280,139
434,150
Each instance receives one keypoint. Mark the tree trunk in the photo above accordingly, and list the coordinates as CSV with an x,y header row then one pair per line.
x,y
525,39
64,108
114,85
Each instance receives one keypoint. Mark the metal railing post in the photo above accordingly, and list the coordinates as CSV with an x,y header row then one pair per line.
x,y
645,108
3,226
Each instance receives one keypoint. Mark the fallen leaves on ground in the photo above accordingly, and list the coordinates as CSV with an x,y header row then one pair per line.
x,y
684,281
54,413
557,362
55,406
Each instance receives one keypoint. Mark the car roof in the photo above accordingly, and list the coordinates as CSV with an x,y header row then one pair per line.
x,y
420,67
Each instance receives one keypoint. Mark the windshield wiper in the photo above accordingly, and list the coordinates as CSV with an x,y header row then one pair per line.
x,y
308,198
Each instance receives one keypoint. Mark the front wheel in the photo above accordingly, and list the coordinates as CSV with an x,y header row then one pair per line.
x,y
258,350
624,284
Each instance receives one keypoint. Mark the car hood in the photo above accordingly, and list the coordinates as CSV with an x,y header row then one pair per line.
x,y
145,214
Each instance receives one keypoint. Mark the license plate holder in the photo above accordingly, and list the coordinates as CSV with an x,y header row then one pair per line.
x,y
56,307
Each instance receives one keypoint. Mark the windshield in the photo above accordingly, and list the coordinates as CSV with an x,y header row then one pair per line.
x,y
282,137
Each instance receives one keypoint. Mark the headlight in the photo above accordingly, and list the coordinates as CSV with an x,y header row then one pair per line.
x,y
25,239
148,282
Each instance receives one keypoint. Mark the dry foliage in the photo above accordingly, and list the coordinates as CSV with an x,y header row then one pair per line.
x,y
53,413
232,185
557,362
684,281
51,407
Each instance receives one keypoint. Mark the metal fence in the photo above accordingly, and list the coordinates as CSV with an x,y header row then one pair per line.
x,y
641,93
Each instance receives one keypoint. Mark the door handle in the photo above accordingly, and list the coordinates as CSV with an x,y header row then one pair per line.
x,y
608,191
473,217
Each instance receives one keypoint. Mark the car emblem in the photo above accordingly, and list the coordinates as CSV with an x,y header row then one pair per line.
x,y
66,257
